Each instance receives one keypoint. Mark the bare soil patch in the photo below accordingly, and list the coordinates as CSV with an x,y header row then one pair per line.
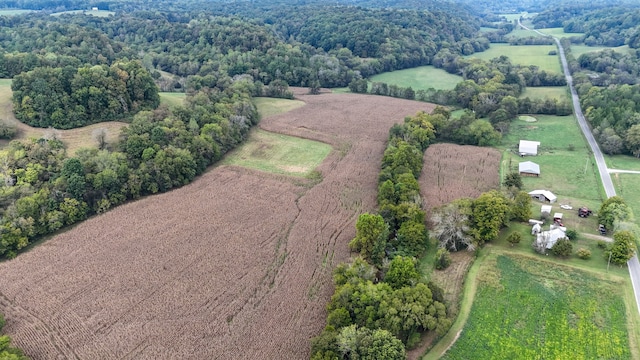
x,y
236,265
452,172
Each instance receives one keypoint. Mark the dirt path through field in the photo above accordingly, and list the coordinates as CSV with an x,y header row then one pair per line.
x,y
236,265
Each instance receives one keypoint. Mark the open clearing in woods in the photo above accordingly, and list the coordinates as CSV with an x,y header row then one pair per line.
x,y
237,264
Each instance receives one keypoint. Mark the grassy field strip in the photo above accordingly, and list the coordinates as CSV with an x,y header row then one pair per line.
x,y
470,287
13,12
271,106
577,50
279,154
558,32
524,55
98,13
420,78
543,92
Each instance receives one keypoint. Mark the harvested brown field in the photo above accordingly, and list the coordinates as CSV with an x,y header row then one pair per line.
x,y
455,171
236,265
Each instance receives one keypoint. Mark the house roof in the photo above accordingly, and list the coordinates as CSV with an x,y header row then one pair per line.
x,y
551,236
546,193
545,208
528,147
557,216
529,167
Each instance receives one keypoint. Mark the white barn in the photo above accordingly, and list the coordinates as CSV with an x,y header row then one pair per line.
x,y
543,195
528,147
529,168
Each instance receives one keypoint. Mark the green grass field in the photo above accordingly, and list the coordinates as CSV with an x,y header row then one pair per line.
x,y
6,83
577,50
628,186
622,162
558,32
530,309
569,174
12,12
98,13
279,154
420,78
542,92
172,98
271,106
524,55
522,33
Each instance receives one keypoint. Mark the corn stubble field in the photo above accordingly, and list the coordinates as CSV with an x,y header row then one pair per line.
x,y
452,172
236,265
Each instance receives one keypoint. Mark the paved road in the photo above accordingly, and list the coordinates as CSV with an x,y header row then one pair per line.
x,y
633,264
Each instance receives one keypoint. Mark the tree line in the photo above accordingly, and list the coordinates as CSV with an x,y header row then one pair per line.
x,y
381,305
44,190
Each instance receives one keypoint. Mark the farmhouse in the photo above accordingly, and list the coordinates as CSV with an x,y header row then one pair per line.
x,y
543,195
549,238
528,148
529,168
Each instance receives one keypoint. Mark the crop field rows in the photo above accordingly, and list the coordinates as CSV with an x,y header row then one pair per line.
x,y
453,171
533,309
237,264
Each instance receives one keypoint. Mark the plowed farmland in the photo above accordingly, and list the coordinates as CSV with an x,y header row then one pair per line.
x,y
236,265
452,172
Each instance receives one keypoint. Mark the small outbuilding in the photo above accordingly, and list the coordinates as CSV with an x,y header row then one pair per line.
x,y
529,168
528,148
543,195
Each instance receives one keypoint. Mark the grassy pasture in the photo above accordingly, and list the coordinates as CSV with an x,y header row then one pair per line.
x,y
524,55
279,154
522,33
271,106
526,308
542,92
565,172
578,50
11,12
172,98
622,162
628,187
420,78
558,32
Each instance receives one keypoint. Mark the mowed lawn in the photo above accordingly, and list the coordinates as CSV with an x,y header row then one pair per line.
x,y
543,92
566,166
524,55
420,78
526,308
